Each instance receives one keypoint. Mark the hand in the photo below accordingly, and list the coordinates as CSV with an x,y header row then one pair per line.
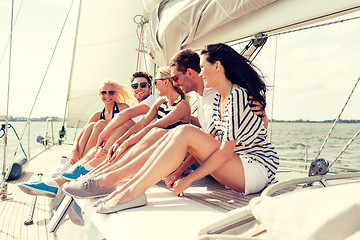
x,y
100,152
115,151
169,180
111,151
100,141
181,185
256,107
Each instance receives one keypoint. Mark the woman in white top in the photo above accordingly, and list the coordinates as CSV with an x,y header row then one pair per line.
x,y
237,154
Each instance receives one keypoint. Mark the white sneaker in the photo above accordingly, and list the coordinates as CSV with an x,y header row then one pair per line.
x,y
62,169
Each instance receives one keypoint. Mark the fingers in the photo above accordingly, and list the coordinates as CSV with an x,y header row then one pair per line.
x,y
169,181
101,152
114,156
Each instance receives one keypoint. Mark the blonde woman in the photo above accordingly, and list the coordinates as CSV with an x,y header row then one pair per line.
x,y
115,97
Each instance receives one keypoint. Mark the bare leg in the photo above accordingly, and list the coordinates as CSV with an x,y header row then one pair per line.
x,y
92,139
175,146
78,151
98,161
132,161
145,144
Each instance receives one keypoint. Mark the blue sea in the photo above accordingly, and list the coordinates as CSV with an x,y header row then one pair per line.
x,y
290,140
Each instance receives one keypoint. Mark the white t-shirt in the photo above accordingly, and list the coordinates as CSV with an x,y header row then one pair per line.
x,y
205,107
149,101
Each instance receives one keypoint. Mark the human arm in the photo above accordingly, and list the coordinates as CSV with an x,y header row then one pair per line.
x,y
119,119
180,113
211,164
118,147
195,121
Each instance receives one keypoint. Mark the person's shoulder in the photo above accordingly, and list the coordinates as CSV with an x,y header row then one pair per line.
x,y
122,105
209,91
240,90
149,100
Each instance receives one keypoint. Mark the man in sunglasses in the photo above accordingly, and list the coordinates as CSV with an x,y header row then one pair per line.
x,y
142,90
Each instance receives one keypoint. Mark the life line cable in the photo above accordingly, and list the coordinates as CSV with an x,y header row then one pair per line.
x,y
343,150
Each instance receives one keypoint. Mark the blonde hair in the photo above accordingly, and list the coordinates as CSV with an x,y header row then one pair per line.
x,y
122,94
164,73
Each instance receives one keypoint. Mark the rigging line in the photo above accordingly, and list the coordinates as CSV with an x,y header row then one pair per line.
x,y
273,93
337,119
37,95
343,150
298,29
8,96
7,43
140,36
144,52
315,26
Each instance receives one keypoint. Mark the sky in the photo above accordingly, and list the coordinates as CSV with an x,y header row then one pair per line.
x,y
315,69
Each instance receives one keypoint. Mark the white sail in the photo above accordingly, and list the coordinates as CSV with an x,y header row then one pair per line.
x,y
186,23
106,39
105,47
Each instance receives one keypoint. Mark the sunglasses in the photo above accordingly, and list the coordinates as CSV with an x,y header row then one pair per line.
x,y
159,79
142,85
176,78
111,93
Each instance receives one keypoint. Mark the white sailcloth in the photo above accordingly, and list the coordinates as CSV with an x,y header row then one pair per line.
x,y
179,24
105,47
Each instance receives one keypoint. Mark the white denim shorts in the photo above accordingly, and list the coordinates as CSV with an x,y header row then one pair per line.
x,y
256,177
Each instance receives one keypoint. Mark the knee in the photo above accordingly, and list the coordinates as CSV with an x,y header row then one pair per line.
x,y
90,125
184,130
157,131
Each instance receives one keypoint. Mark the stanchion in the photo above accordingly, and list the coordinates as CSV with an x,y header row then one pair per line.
x,y
29,220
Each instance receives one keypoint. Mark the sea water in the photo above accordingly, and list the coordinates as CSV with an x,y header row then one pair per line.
x,y
38,130
290,139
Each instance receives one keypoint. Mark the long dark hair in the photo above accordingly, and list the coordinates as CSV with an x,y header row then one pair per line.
x,y
237,69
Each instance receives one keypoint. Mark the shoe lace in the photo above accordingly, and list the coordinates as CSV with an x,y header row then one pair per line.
x,y
86,185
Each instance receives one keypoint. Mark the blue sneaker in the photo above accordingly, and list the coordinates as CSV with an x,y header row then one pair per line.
x,y
75,173
39,189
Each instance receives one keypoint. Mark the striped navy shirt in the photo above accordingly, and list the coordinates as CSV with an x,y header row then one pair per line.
x,y
241,124
164,109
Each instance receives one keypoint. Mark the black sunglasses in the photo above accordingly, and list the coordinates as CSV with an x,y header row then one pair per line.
x,y
159,79
142,85
176,78
111,93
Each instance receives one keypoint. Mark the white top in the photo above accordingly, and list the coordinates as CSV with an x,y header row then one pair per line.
x,y
205,107
149,101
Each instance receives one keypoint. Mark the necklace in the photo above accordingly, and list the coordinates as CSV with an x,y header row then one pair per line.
x,y
220,100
